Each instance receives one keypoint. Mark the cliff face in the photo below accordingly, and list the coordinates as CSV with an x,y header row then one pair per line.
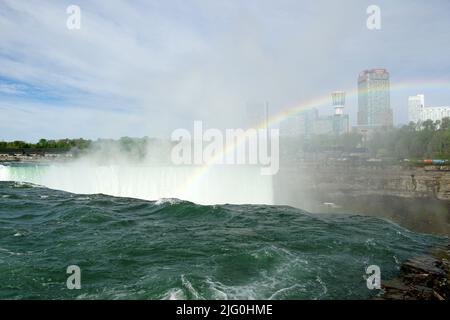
x,y
416,198
392,181
409,182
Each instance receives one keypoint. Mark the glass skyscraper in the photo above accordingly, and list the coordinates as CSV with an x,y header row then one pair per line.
x,y
374,99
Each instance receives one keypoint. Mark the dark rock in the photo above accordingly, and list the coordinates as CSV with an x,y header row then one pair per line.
x,y
421,278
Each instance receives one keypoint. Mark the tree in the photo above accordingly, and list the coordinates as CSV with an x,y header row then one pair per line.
x,y
428,125
445,124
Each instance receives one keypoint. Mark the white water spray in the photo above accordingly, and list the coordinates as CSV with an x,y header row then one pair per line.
x,y
218,185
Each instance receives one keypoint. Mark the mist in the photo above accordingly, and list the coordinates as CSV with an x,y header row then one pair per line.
x,y
142,168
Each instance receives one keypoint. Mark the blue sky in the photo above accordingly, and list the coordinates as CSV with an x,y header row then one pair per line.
x,y
148,67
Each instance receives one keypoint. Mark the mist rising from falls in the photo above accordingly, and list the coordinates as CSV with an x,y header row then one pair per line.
x,y
217,185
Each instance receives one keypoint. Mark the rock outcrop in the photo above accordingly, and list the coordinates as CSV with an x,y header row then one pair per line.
x,y
421,278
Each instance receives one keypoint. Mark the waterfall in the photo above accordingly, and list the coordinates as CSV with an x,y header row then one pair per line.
x,y
216,185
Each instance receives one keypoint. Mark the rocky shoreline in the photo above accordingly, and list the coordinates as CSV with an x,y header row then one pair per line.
x,y
424,277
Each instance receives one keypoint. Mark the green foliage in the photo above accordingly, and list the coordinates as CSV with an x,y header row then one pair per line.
x,y
427,140
47,144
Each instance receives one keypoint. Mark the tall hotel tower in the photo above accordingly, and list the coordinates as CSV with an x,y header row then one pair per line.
x,y
374,108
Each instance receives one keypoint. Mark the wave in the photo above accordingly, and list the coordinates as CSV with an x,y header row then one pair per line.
x,y
174,249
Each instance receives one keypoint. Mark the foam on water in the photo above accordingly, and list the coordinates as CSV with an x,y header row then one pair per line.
x,y
136,249
4,173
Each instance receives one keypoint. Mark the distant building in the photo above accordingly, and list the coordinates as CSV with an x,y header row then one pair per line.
x,y
323,125
301,124
418,112
340,120
416,104
310,123
374,99
338,98
435,113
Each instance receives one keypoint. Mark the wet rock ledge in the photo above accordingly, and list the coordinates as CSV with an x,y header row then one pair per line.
x,y
421,278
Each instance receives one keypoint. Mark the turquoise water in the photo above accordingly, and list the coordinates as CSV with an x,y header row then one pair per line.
x,y
135,249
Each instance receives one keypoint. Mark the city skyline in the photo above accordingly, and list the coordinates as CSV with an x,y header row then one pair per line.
x,y
419,112
204,61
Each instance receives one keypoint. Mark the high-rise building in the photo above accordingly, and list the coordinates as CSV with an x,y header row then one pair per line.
x,y
309,122
301,124
374,108
418,112
416,104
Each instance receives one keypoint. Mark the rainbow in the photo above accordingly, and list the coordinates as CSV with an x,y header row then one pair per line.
x,y
418,86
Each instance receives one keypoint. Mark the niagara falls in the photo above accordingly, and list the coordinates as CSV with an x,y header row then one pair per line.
x,y
224,159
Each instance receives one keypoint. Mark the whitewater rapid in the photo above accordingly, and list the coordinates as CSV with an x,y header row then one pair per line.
x,y
216,185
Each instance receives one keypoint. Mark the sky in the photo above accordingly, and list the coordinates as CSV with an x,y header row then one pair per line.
x,y
145,68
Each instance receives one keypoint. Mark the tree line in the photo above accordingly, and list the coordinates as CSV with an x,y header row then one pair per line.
x,y
413,141
136,148
47,144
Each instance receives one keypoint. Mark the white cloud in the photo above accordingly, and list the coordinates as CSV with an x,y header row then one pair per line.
x,y
15,89
152,66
